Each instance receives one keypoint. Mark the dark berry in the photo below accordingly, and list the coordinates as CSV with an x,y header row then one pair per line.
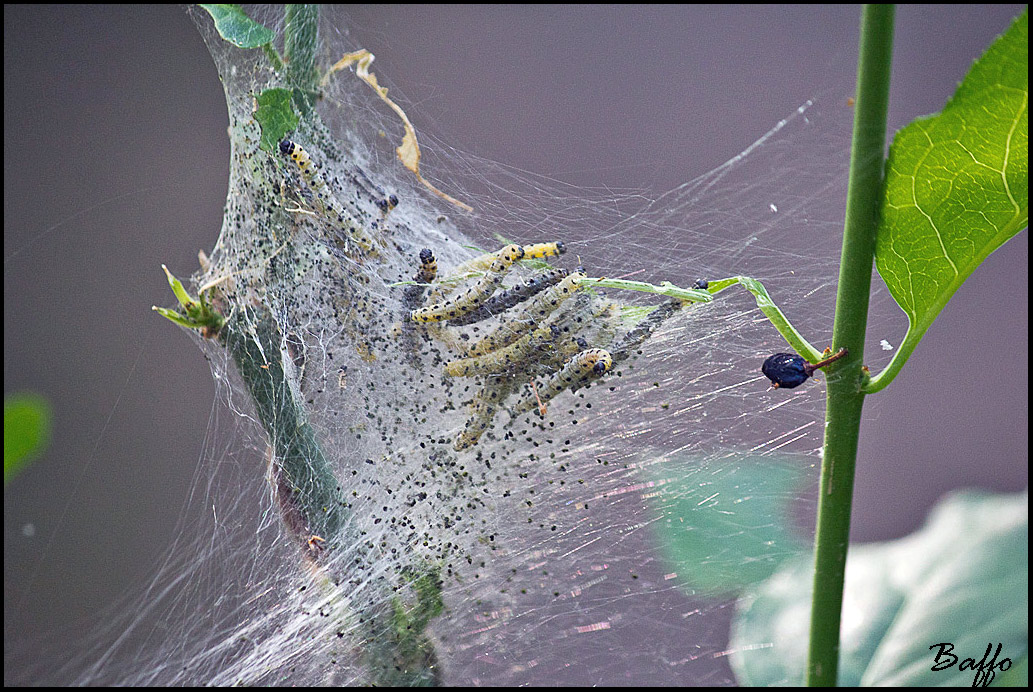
x,y
786,370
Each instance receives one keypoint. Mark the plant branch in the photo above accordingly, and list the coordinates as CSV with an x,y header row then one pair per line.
x,y
844,397
307,488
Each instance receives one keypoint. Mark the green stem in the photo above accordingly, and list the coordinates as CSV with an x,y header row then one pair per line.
x,y
845,398
307,488
396,648
666,288
300,41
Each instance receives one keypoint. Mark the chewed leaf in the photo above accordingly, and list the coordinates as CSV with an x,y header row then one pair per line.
x,y
236,27
957,184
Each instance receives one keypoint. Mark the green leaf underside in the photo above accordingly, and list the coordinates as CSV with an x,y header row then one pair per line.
x,y
957,184
236,27
962,579
26,430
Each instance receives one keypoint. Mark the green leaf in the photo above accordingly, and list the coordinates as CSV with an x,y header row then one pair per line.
x,y
235,26
725,528
26,431
957,188
197,313
963,579
276,115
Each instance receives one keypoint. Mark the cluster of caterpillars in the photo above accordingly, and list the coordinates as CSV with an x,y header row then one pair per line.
x,y
533,340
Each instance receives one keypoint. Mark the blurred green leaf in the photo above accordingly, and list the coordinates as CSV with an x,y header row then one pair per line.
x,y
26,430
963,579
235,26
728,526
957,187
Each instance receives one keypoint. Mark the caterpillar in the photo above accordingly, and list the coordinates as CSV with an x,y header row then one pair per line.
x,y
510,297
641,331
510,329
388,203
543,250
535,251
428,270
513,358
585,321
482,413
470,299
426,274
579,370
316,182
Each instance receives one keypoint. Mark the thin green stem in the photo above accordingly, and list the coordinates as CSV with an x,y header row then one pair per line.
x,y
777,318
879,382
844,397
666,288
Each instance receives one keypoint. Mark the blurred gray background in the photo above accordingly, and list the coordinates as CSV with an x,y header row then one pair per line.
x,y
116,160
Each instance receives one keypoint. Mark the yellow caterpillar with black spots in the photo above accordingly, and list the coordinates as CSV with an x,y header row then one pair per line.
x,y
329,202
470,299
579,370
